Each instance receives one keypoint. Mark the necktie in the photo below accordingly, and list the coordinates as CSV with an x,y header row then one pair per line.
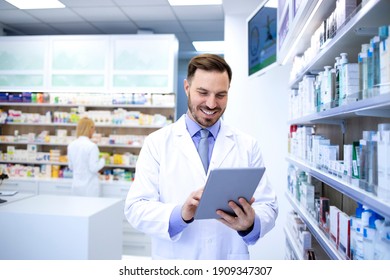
x,y
203,148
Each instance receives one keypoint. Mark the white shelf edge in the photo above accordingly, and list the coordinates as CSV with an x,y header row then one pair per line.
x,y
322,239
73,124
377,205
357,108
59,163
139,106
66,144
293,244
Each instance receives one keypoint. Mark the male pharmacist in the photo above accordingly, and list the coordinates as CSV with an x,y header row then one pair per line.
x,y
170,176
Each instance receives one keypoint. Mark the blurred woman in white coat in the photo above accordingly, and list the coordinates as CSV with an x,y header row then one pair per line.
x,y
170,177
83,160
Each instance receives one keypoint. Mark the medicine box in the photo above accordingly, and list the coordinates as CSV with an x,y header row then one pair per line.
x,y
344,234
334,224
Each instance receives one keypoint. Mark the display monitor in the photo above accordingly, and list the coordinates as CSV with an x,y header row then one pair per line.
x,y
262,37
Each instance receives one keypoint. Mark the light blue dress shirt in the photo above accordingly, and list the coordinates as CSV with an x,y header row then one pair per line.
x,y
176,223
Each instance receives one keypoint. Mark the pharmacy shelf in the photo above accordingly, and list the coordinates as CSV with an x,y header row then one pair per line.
x,y
348,38
66,144
318,234
120,166
34,162
292,241
139,106
97,125
308,11
366,198
378,106
61,163
124,185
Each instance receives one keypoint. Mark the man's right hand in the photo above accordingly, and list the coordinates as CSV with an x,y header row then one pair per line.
x,y
190,205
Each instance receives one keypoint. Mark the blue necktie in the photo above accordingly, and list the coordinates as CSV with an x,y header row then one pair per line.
x,y
203,148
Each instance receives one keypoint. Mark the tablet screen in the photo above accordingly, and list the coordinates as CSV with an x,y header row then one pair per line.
x,y
224,185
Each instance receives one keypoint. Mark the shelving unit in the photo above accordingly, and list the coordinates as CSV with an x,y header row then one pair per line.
x,y
353,118
345,187
101,65
320,236
106,128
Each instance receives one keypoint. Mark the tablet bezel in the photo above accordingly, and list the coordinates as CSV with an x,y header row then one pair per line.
x,y
224,185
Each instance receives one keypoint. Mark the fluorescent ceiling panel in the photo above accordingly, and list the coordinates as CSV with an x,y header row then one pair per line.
x,y
194,2
36,4
272,4
209,46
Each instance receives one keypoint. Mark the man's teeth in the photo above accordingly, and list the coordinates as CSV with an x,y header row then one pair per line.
x,y
208,112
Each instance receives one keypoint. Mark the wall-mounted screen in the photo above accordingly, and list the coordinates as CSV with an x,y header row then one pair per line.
x,y
262,37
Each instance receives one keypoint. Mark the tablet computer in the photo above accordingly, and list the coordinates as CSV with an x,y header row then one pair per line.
x,y
224,185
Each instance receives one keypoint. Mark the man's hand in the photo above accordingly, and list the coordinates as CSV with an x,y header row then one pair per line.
x,y
190,205
245,215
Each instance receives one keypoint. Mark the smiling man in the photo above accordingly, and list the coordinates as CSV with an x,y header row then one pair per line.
x,y
172,170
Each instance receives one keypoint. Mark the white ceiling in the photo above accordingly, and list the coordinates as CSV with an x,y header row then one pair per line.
x,y
188,23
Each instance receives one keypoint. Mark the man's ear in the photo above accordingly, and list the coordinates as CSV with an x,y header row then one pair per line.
x,y
186,86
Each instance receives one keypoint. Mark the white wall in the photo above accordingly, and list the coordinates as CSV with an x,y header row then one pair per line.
x,y
258,106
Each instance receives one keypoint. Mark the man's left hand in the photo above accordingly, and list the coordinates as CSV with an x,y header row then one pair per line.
x,y
245,215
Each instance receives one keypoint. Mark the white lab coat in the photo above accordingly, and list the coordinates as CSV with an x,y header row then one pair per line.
x,y
169,170
83,160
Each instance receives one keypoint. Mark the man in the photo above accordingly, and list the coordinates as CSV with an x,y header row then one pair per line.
x,y
170,176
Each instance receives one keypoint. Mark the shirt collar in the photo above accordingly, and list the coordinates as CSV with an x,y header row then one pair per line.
x,y
193,127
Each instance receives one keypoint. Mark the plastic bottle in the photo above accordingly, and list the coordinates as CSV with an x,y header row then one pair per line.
x,y
375,67
326,97
359,249
383,190
372,164
342,84
360,64
364,74
364,158
337,81
382,240
356,230
317,87
370,67
369,236
384,60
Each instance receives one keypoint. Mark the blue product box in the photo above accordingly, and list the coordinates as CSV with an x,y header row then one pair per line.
x,y
4,96
26,97
15,97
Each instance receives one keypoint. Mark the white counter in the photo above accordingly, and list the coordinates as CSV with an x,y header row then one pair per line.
x,y
12,198
62,228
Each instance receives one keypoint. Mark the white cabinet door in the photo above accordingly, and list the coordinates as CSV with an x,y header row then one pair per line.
x,y
115,189
22,62
56,187
20,185
79,62
144,63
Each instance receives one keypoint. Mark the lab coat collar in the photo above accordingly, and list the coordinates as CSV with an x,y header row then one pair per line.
x,y
223,145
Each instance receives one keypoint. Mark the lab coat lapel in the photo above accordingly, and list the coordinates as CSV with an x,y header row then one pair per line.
x,y
186,146
223,146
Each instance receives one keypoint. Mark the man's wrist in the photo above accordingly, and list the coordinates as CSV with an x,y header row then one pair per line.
x,y
188,221
247,231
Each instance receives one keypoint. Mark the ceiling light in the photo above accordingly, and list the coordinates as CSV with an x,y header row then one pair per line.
x,y
194,2
36,4
271,4
209,46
